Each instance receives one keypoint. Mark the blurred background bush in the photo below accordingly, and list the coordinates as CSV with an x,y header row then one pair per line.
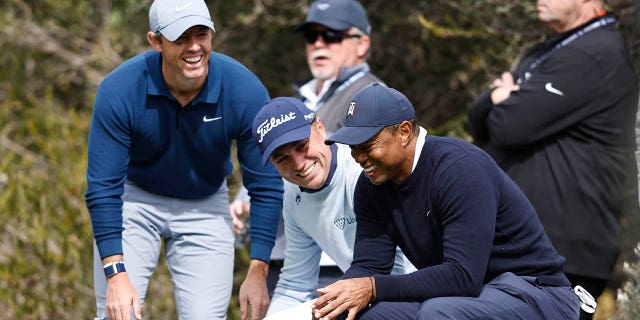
x,y
53,53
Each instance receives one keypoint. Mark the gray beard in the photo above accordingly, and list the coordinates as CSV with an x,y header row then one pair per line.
x,y
321,75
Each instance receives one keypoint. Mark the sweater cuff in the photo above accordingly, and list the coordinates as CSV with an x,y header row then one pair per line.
x,y
109,247
387,287
261,251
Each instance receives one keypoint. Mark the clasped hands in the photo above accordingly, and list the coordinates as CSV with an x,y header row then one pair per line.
x,y
502,88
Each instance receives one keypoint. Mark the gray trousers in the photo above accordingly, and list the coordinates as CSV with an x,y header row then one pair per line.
x,y
198,244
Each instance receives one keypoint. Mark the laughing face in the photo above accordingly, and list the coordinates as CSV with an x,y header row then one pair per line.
x,y
383,157
305,162
185,61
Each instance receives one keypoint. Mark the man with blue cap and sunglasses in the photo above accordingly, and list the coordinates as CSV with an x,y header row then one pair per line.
x,y
479,247
318,197
159,153
337,36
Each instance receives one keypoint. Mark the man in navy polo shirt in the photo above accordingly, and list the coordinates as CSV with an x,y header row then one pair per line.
x,y
159,151
480,250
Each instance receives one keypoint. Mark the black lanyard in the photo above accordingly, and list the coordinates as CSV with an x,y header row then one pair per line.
x,y
604,21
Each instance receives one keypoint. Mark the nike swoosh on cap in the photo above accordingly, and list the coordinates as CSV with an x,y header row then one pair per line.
x,y
180,8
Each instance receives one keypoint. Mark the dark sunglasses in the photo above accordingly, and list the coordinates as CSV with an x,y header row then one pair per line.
x,y
328,36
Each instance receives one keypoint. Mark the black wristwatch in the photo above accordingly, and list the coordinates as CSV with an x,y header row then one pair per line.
x,y
113,268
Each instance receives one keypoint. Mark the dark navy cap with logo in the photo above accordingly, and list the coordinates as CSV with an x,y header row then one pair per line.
x,y
371,109
280,121
337,15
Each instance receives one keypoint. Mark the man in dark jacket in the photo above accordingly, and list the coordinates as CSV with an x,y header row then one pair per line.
x,y
561,125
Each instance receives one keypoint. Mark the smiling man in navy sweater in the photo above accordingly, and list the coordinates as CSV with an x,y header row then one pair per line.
x,y
479,247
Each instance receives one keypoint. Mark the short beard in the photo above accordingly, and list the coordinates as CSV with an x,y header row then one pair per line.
x,y
318,74
322,75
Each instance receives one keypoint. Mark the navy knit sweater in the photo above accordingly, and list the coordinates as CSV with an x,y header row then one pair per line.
x,y
458,218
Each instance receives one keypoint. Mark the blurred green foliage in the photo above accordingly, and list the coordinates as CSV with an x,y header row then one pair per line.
x,y
54,53
45,242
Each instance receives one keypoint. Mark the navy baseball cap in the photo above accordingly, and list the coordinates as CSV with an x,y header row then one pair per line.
x,y
337,15
172,18
371,109
280,121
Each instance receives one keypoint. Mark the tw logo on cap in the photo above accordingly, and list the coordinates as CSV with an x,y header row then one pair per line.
x,y
352,109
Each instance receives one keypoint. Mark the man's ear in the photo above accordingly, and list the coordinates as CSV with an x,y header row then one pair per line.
x,y
154,41
363,46
320,127
405,131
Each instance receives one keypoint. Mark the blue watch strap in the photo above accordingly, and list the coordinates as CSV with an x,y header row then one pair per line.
x,y
113,268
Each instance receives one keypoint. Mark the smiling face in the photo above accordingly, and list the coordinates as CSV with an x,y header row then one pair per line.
x,y
305,162
326,59
185,62
387,156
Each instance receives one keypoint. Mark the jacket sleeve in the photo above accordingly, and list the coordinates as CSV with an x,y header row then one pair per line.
x,y
374,251
478,113
263,182
299,277
552,100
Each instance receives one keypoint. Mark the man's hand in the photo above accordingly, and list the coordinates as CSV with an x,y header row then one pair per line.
x,y
350,295
253,291
121,296
239,212
502,88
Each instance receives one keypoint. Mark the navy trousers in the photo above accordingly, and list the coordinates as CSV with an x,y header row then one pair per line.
x,y
506,297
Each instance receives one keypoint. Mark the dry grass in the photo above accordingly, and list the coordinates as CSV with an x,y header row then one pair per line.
x,y
606,305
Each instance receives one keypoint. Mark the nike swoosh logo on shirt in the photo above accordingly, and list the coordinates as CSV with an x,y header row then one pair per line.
x,y
551,89
205,119
180,8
